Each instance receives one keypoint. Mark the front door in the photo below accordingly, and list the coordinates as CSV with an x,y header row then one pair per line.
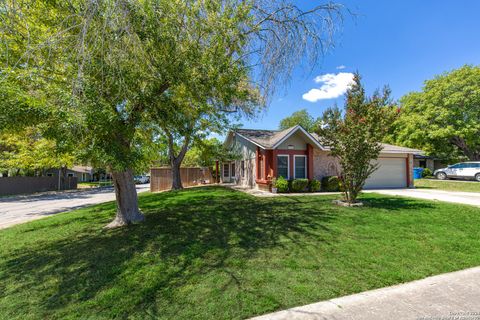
x,y
226,172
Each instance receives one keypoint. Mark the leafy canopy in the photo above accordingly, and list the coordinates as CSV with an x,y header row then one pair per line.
x,y
302,118
444,118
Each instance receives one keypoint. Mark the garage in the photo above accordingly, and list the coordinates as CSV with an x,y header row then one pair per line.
x,y
392,173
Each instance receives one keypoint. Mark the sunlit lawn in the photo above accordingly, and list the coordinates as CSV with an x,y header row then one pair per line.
x,y
449,185
215,253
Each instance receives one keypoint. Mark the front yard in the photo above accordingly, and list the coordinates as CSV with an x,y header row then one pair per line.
x,y
448,185
215,253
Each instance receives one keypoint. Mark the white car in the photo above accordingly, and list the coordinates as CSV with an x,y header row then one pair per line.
x,y
463,170
141,179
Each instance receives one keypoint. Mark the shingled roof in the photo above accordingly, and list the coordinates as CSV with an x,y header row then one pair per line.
x,y
269,139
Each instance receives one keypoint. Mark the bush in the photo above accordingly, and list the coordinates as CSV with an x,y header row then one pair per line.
x,y
331,184
426,173
299,185
314,185
281,184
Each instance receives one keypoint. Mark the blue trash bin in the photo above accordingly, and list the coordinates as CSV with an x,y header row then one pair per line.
x,y
417,173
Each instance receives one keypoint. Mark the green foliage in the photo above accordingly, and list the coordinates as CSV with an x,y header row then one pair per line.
x,y
302,118
330,184
28,152
299,185
355,135
443,119
426,173
281,184
314,185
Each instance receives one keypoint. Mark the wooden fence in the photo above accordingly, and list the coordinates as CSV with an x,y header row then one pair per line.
x,y
24,185
161,178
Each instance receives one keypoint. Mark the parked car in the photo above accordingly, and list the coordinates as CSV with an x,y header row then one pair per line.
x,y
141,179
463,170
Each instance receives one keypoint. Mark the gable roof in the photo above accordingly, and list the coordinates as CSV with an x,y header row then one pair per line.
x,y
271,139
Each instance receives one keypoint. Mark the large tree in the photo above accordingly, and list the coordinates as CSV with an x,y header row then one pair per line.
x,y
300,117
355,133
444,118
115,64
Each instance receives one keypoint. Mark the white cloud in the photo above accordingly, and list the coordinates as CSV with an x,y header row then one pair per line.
x,y
333,86
341,67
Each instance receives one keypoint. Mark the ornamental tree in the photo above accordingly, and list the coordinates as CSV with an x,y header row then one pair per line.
x,y
354,135
444,118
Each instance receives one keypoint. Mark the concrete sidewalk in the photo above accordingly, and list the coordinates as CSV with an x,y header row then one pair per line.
x,y
449,296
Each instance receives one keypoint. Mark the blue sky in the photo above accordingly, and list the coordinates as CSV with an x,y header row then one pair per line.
x,y
400,43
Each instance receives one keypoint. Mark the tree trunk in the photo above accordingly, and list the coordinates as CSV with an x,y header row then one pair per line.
x,y
176,161
127,200
176,178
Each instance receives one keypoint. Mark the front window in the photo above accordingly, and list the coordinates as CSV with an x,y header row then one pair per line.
x,y
300,167
233,169
282,166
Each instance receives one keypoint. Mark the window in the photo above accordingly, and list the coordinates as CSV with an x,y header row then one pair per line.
x,y
422,163
282,166
473,165
233,169
242,168
226,173
69,174
300,163
49,174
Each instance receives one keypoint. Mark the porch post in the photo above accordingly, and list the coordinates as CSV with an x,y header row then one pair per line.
x,y
309,161
257,164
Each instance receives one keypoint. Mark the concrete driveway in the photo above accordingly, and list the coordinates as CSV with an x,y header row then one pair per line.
x,y
471,198
19,209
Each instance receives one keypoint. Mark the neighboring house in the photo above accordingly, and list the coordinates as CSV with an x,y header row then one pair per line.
x,y
82,173
295,153
422,161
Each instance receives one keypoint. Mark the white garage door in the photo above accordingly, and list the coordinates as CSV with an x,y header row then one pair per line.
x,y
390,174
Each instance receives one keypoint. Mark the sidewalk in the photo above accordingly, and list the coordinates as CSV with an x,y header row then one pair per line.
x,y
448,296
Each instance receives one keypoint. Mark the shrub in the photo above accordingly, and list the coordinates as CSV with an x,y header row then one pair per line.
x,y
299,185
331,184
426,173
314,185
281,184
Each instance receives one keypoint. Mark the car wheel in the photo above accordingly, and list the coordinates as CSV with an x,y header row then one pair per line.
x,y
477,177
441,176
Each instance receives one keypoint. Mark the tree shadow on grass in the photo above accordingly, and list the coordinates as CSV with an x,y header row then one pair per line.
x,y
395,203
186,235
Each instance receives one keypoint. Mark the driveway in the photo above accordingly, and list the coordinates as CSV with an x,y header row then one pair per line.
x,y
19,209
447,296
471,198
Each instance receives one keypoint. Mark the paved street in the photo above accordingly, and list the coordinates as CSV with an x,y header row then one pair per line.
x,y
19,209
471,198
451,296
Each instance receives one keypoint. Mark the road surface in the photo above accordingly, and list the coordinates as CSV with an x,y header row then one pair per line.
x,y
19,209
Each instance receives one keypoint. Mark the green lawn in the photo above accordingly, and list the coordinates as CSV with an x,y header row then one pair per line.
x,y
95,184
215,253
450,185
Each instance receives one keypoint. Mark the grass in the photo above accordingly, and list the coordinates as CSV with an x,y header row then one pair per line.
x,y
215,253
449,185
95,184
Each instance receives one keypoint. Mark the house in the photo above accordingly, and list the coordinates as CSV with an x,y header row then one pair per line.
x,y
432,163
296,153
82,173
